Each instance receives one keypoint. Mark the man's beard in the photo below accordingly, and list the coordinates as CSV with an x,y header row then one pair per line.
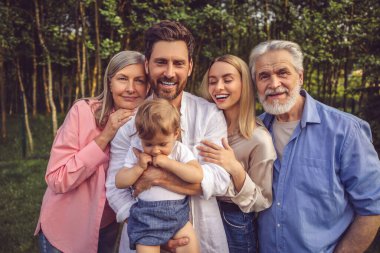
x,y
161,93
276,108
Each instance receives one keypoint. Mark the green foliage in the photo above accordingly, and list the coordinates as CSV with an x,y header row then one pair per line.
x,y
110,13
109,48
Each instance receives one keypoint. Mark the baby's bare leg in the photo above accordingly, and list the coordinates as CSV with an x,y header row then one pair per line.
x,y
147,249
193,245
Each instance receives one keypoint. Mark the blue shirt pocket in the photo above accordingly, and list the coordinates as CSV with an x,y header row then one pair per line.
x,y
313,177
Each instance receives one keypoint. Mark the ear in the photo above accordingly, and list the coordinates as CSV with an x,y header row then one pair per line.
x,y
176,134
146,63
301,78
147,89
190,67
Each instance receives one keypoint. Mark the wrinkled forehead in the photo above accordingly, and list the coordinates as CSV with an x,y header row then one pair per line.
x,y
274,60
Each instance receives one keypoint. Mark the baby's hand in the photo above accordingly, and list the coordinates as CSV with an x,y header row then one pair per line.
x,y
160,161
144,160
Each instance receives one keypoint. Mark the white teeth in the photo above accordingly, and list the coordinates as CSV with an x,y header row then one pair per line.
x,y
221,96
168,83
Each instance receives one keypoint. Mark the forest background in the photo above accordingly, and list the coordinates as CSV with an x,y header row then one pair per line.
x,y
54,52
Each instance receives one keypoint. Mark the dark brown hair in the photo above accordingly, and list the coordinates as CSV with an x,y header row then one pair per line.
x,y
167,30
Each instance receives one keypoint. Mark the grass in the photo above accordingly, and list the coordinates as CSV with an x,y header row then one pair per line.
x,y
22,183
22,186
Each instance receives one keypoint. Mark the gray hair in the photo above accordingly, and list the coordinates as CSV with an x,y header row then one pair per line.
x,y
120,61
117,62
264,47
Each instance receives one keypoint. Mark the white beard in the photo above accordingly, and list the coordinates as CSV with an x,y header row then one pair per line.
x,y
276,108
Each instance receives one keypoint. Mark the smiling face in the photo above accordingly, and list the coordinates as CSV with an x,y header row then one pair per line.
x,y
278,83
168,69
129,87
160,145
224,85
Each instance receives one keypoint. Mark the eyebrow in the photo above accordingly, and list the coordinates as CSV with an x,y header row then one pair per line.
x,y
282,69
166,59
263,72
225,75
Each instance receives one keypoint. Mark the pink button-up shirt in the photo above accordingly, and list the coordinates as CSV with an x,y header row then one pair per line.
x,y
74,206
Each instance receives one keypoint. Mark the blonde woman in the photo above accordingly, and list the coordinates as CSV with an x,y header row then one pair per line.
x,y
247,156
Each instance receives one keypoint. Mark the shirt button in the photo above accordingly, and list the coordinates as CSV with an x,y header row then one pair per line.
x,y
278,225
278,203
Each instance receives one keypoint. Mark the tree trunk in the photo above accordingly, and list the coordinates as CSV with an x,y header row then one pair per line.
x,y
98,64
25,109
61,90
46,93
49,69
84,53
2,96
267,28
77,46
34,80
362,90
344,103
319,79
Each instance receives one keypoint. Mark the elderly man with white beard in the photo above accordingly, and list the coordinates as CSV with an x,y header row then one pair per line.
x,y
326,182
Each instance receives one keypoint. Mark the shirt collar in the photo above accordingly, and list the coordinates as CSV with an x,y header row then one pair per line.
x,y
309,115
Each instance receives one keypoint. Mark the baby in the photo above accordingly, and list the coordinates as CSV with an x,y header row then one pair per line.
x,y
159,214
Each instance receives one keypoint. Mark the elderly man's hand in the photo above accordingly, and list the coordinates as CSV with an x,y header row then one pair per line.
x,y
149,178
173,244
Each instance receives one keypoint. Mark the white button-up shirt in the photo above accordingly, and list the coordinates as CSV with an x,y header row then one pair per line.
x,y
199,120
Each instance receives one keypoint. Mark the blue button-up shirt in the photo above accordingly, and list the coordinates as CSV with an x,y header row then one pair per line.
x,y
329,172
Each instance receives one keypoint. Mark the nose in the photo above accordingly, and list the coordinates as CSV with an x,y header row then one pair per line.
x,y
274,82
219,85
169,72
155,151
130,87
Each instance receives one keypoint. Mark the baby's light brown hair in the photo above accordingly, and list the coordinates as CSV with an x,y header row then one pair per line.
x,y
156,116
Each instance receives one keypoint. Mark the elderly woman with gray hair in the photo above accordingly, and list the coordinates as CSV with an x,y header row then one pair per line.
x,y
75,215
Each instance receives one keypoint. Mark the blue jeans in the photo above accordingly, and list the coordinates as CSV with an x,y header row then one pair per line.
x,y
45,246
106,244
239,227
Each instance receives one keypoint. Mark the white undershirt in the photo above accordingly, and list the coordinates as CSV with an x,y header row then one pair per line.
x,y
282,131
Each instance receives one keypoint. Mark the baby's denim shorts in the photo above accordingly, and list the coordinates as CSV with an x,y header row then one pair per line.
x,y
154,222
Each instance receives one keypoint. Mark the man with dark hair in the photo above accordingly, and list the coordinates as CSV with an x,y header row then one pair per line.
x,y
169,47
326,182
168,30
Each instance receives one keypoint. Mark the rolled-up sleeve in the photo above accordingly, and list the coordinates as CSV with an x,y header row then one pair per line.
x,y
70,164
215,179
360,170
256,193
252,196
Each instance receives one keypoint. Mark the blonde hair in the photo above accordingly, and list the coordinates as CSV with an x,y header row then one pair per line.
x,y
156,116
117,63
247,115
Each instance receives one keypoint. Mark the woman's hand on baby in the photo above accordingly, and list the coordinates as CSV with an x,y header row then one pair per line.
x,y
222,156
